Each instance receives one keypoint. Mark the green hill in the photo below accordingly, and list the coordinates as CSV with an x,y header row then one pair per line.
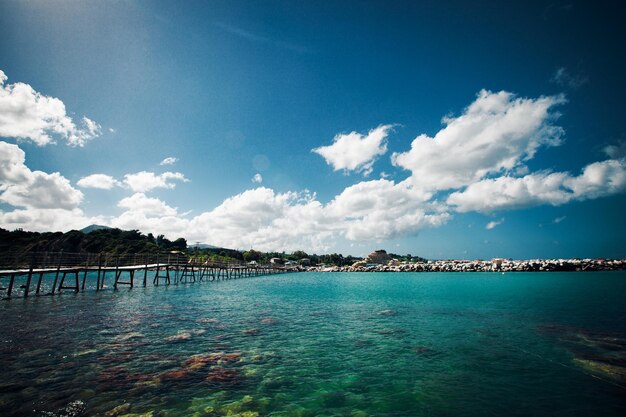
x,y
94,241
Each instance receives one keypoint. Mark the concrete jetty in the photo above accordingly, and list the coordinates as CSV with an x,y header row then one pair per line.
x,y
494,265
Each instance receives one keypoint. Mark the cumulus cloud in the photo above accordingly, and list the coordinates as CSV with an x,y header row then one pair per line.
x,y
356,152
494,223
495,134
264,219
257,179
40,201
43,191
22,187
381,209
598,179
170,160
46,220
148,205
150,215
26,114
261,218
476,162
138,182
100,181
13,171
145,181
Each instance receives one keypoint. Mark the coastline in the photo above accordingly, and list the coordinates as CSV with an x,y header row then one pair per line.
x,y
496,265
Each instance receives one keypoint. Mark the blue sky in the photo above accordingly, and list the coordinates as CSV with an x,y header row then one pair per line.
x,y
292,125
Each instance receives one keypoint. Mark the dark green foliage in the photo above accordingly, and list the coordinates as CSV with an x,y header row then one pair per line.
x,y
252,255
132,241
407,258
102,240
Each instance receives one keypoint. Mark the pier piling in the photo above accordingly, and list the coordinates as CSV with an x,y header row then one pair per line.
x,y
74,271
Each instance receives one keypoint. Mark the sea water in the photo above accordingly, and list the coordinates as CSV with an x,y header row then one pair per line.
x,y
323,344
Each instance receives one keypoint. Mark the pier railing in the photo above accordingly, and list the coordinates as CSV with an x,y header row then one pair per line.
x,y
50,260
53,272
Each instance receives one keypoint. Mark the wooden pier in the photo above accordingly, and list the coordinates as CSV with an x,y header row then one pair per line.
x,y
46,273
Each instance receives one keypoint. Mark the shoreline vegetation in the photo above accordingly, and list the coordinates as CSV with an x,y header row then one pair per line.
x,y
101,239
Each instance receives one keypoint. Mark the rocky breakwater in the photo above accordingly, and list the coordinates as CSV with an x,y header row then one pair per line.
x,y
495,265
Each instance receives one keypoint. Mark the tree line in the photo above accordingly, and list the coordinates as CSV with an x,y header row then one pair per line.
x,y
102,240
121,242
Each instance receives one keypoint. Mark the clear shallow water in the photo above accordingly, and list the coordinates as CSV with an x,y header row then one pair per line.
x,y
327,344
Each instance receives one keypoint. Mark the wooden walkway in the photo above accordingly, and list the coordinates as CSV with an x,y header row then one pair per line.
x,y
51,273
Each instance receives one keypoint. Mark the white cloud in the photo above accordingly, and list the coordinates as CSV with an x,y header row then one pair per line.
x,y
495,134
477,162
381,209
598,179
257,179
266,220
41,201
617,150
138,182
46,220
492,224
43,191
170,160
12,168
29,115
100,181
356,152
139,202
558,220
145,181
150,215
564,78
22,187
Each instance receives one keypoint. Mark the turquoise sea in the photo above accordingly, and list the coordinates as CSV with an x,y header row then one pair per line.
x,y
323,344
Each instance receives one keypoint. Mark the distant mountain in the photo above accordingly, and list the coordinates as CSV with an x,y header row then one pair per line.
x,y
204,246
94,227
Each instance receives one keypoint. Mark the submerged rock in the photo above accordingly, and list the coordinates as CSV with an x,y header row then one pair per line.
x,y
208,320
425,351
175,374
86,352
599,352
251,332
224,376
231,357
119,410
201,360
181,335
387,312
334,399
602,367
128,336
73,409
